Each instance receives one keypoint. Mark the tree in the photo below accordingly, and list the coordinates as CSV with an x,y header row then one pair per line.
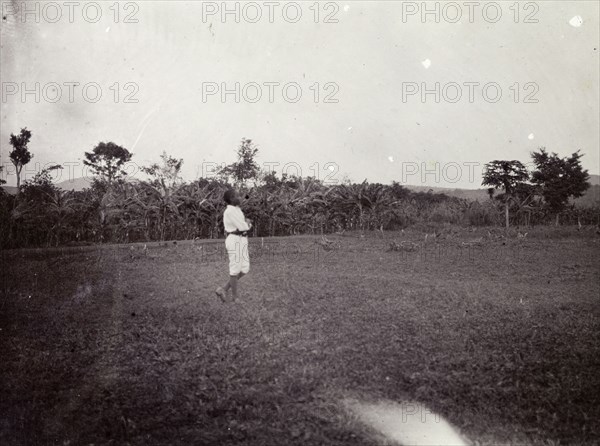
x,y
398,191
20,155
559,179
160,190
33,214
270,181
2,180
107,159
41,184
245,168
506,175
167,175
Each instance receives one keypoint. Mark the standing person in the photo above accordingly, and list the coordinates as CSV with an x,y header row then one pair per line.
x,y
236,243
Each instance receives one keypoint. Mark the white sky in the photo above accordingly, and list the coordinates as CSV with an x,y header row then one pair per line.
x,y
369,133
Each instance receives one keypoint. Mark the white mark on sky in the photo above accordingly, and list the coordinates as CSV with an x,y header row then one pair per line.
x,y
391,158
350,128
346,8
147,121
531,136
426,63
107,29
576,21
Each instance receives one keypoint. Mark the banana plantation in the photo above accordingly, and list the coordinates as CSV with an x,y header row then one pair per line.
x,y
43,215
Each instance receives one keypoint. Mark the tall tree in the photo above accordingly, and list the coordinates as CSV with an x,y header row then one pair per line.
x,y
164,179
166,175
245,168
20,155
559,179
107,159
505,175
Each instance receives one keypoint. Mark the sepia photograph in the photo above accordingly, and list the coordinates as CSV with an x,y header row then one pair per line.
x,y
328,223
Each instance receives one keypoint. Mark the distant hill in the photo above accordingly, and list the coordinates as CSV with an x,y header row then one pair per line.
x,y
468,194
76,184
12,190
590,198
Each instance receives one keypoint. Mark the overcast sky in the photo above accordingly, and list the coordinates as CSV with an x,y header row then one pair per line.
x,y
374,52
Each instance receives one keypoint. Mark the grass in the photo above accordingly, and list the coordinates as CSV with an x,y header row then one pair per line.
x,y
112,346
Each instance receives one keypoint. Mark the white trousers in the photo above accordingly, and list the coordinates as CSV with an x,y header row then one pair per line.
x,y
237,250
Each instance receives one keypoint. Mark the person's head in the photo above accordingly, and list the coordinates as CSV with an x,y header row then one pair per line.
x,y
231,197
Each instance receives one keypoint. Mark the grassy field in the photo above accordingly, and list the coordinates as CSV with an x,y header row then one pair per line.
x,y
114,345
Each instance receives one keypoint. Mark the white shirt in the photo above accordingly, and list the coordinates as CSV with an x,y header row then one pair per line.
x,y
233,218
